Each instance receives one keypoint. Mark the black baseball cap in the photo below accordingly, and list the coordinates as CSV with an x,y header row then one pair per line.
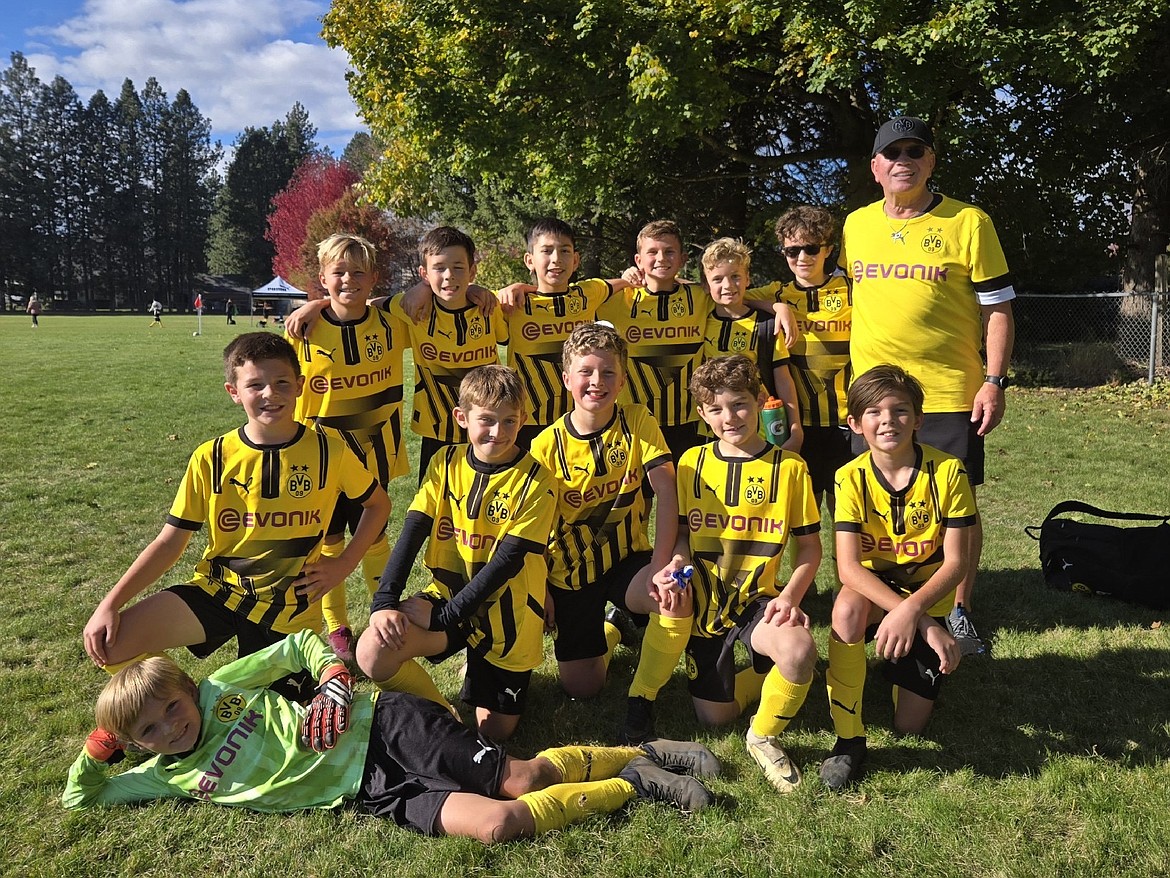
x,y
902,128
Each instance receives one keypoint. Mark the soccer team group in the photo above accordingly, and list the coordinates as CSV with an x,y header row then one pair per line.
x,y
622,399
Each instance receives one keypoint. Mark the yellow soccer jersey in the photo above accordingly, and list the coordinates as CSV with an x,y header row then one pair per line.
x,y
267,509
902,531
738,514
353,386
476,507
916,289
537,334
447,346
820,358
753,335
601,509
664,334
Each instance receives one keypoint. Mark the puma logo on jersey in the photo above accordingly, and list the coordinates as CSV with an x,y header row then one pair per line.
x,y
883,516
458,501
444,334
485,749
324,353
583,469
244,486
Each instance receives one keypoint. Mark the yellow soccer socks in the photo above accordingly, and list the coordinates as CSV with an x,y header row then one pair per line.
x,y
845,682
411,678
333,605
748,686
580,764
662,644
779,702
561,804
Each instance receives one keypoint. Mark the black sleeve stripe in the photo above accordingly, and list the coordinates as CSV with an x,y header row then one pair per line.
x,y
992,284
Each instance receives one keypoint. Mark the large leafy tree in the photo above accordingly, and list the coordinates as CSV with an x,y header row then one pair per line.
x,y
317,183
721,113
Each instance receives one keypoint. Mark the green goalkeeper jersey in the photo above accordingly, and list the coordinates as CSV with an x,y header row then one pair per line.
x,y
249,752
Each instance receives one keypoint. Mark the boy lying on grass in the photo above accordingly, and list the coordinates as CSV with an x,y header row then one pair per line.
x,y
231,741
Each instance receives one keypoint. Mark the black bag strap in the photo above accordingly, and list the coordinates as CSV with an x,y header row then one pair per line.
x,y
1077,506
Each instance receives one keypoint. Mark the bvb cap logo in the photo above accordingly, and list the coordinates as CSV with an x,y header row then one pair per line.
x,y
497,511
832,302
299,483
475,328
678,308
374,349
932,241
616,456
739,342
229,708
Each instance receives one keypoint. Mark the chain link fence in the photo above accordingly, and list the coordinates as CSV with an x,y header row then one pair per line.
x,y
1088,339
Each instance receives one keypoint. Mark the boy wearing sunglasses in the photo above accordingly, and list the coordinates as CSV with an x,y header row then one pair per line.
x,y
930,289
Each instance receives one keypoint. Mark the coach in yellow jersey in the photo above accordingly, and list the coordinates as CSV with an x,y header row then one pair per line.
x,y
930,288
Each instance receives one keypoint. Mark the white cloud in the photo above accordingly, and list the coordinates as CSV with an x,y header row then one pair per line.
x,y
244,63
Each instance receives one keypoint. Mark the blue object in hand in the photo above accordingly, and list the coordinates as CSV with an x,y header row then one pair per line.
x,y
682,578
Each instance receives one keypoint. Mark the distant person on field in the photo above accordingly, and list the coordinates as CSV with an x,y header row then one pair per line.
x,y
232,741
485,511
230,310
903,512
741,500
156,309
351,356
34,309
265,492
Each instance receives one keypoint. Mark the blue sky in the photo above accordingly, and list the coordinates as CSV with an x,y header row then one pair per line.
x,y
244,62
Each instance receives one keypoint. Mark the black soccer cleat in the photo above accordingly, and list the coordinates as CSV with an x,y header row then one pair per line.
x,y
639,725
682,757
620,619
658,784
844,764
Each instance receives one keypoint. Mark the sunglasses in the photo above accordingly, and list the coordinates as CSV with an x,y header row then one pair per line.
x,y
913,151
810,249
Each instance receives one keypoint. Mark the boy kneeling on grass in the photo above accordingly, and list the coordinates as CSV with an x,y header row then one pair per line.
x,y
231,741
901,549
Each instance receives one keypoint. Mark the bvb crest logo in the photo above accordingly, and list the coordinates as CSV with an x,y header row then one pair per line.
x,y
919,518
475,328
374,349
932,241
754,493
497,511
832,302
228,708
573,304
299,483
691,667
616,456
739,342
678,308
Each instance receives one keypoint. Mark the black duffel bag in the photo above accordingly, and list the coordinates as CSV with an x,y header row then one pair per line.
x,y
1128,563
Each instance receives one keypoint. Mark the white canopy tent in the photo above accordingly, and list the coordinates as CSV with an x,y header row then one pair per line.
x,y
277,289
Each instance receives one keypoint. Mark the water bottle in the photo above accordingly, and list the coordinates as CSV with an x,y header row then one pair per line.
x,y
775,420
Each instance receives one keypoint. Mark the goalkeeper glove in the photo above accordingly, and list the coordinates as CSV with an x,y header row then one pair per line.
x,y
328,712
103,746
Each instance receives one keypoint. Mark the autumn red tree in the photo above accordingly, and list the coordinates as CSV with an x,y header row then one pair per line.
x,y
319,182
395,239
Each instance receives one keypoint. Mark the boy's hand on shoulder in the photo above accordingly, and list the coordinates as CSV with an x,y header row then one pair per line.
x,y
896,631
320,577
944,645
485,299
633,276
786,320
100,633
300,322
389,628
417,302
420,612
514,295
327,716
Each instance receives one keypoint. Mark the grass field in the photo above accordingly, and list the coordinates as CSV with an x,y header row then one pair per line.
x,y
1047,758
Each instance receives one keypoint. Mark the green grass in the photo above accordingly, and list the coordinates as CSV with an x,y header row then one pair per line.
x,y
1050,758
